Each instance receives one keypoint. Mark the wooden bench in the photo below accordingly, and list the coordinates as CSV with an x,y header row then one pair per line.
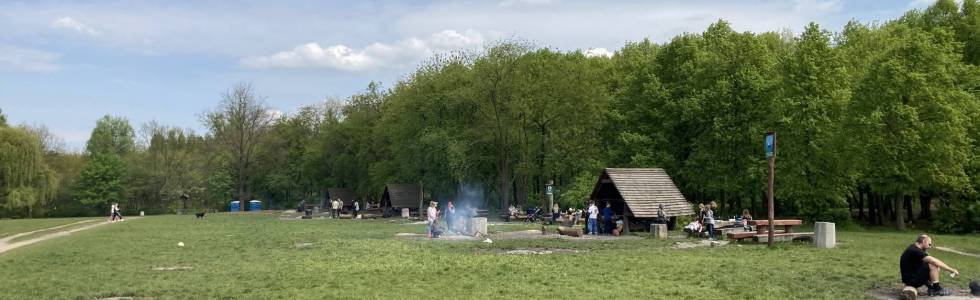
x,y
761,226
761,234
737,236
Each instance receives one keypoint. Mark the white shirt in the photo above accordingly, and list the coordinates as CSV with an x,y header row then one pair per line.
x,y
357,206
431,212
336,204
593,212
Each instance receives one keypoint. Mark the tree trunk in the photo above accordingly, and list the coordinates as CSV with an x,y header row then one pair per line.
x,y
860,204
504,177
925,206
899,214
909,214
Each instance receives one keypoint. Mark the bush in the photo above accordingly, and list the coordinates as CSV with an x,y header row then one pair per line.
x,y
958,216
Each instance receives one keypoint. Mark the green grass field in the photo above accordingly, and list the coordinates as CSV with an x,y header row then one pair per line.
x,y
263,257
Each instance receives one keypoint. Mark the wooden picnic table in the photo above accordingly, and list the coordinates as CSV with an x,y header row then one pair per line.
x,y
761,226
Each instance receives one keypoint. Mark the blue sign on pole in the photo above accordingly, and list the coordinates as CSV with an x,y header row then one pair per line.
x,y
770,144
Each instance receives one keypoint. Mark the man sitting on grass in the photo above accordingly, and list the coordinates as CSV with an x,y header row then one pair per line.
x,y
918,268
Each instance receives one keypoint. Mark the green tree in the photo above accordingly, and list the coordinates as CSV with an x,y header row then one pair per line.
x,y
910,110
239,125
101,179
25,179
814,173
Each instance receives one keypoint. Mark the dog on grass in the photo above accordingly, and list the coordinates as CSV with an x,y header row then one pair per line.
x,y
200,215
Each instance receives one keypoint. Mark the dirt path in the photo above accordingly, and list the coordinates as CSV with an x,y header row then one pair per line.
x,y
6,245
957,251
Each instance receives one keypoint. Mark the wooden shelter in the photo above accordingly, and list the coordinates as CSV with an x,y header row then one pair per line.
x,y
345,194
398,196
637,193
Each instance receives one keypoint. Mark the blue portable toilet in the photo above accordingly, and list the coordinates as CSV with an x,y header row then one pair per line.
x,y
236,206
255,205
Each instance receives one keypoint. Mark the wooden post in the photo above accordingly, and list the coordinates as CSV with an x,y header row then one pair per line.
x,y
771,155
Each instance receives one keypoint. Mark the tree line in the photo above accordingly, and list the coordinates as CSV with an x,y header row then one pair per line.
x,y
874,122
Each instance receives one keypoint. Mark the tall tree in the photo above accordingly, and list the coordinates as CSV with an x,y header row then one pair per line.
x,y
101,179
25,179
814,93
239,124
911,116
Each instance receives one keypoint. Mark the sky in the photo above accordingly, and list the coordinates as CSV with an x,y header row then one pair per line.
x,y
65,64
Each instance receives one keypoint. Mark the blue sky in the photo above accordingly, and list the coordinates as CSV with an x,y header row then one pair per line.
x,y
65,64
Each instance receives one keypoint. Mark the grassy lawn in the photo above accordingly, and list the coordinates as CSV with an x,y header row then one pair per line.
x,y
263,257
11,227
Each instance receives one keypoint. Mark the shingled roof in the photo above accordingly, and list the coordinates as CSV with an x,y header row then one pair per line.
x,y
642,190
402,195
345,194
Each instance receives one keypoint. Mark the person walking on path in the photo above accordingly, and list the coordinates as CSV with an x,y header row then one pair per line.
x,y
607,220
114,212
593,212
918,268
708,218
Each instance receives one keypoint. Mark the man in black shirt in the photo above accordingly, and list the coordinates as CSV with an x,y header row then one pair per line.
x,y
918,268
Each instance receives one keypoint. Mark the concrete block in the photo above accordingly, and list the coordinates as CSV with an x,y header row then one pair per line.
x,y
659,231
825,235
478,226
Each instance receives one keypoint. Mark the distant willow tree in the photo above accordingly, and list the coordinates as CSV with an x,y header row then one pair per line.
x,y
238,125
25,180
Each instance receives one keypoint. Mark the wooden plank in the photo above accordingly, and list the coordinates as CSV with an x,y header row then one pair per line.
x,y
776,222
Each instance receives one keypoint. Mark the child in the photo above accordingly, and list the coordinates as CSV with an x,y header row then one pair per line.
x,y
746,217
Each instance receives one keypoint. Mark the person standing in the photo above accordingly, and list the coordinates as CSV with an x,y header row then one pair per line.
x,y
918,268
432,214
357,209
661,215
709,220
593,212
555,213
450,215
335,209
607,220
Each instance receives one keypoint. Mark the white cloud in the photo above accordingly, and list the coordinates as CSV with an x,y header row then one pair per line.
x,y
26,59
373,56
593,52
68,23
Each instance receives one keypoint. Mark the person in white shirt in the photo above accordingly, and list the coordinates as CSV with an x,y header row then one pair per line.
x,y
114,212
432,215
593,218
357,208
335,213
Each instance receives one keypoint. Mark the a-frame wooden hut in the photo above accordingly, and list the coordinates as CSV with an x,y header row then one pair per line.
x,y
398,196
636,193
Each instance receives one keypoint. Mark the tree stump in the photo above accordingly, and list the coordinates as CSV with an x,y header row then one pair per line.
x,y
570,231
658,231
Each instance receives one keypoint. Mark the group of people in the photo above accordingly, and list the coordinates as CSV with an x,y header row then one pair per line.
x,y
705,221
456,221
114,213
337,207
610,224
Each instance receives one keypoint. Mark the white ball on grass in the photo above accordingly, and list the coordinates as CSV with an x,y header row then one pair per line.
x,y
180,244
